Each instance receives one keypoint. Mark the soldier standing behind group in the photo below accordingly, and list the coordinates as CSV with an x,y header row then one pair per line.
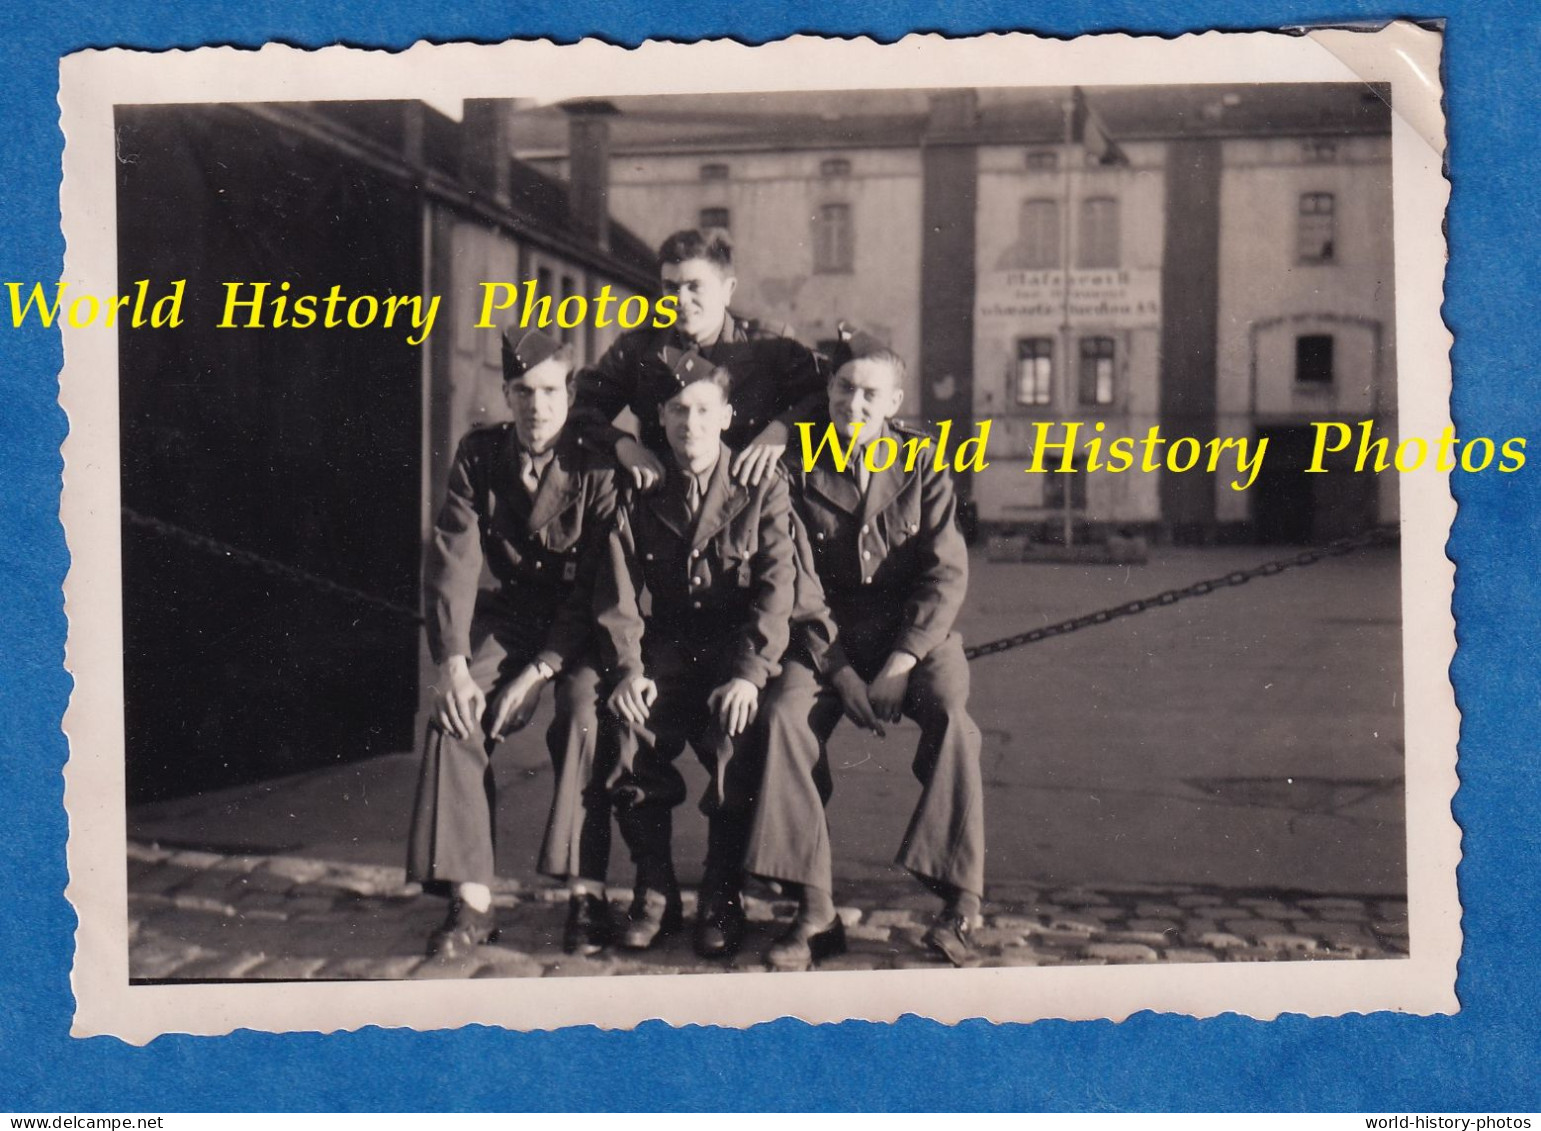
x,y
775,380
530,500
894,569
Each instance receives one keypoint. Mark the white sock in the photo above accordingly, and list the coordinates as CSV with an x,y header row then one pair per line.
x,y
478,897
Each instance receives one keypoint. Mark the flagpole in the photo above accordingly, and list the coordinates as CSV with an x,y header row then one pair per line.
x,y
1067,247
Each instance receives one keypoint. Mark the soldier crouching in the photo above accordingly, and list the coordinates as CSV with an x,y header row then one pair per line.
x,y
530,500
894,570
717,558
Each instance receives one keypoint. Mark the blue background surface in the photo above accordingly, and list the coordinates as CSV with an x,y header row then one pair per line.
x,y
1486,1058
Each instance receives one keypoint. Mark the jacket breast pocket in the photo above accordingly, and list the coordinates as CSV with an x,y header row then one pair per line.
x,y
901,519
735,554
561,535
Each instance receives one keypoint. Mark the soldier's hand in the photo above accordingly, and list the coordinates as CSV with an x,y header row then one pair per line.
x,y
853,697
632,699
735,704
886,692
514,704
759,459
459,703
645,469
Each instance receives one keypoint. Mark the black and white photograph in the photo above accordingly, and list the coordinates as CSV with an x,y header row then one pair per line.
x,y
952,527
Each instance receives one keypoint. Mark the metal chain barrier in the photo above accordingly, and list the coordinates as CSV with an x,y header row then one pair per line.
x,y
1171,596
268,566
271,568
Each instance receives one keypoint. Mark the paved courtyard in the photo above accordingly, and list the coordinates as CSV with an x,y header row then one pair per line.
x,y
1217,780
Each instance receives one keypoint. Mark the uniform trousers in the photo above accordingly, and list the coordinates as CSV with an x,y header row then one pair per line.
x,y
452,836
645,784
945,841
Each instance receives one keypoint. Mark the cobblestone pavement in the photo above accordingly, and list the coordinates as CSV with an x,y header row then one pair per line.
x,y
203,916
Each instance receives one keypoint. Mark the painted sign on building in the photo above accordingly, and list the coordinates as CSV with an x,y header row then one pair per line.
x,y
1125,297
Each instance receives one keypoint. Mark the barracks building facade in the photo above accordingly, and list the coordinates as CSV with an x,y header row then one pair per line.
x,y
1212,260
322,450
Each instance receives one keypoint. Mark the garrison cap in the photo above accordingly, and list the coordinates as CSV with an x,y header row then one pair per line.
x,y
854,343
523,350
688,366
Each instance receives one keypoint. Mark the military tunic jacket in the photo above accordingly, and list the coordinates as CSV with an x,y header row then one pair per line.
x,y
774,378
894,555
543,551
724,580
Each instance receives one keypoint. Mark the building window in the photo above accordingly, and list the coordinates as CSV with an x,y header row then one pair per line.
x,y
835,167
1038,240
715,218
1055,483
1320,151
1318,228
1042,160
714,172
1096,377
833,243
1313,359
1035,371
1099,232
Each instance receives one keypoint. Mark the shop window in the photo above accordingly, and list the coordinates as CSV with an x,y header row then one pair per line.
x,y
1096,376
1313,360
834,249
1099,232
1320,151
834,167
1317,238
1042,160
716,171
1035,371
716,218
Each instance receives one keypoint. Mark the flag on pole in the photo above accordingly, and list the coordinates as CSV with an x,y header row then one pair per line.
x,y
1091,132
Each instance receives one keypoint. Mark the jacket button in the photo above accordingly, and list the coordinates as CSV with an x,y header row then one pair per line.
x,y
865,528
819,535
695,604
694,554
866,555
866,581
539,564
648,556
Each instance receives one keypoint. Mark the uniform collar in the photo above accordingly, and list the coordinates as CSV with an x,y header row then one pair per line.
x,y
722,499
559,484
841,488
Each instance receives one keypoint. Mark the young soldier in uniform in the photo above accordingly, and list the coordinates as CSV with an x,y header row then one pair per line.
x,y
775,380
717,558
533,503
894,569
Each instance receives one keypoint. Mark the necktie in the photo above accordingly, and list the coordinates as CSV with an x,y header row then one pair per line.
x,y
863,476
531,468
692,494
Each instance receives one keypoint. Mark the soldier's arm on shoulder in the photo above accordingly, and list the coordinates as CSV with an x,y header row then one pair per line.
x,y
804,387
602,390
937,596
453,565
773,574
